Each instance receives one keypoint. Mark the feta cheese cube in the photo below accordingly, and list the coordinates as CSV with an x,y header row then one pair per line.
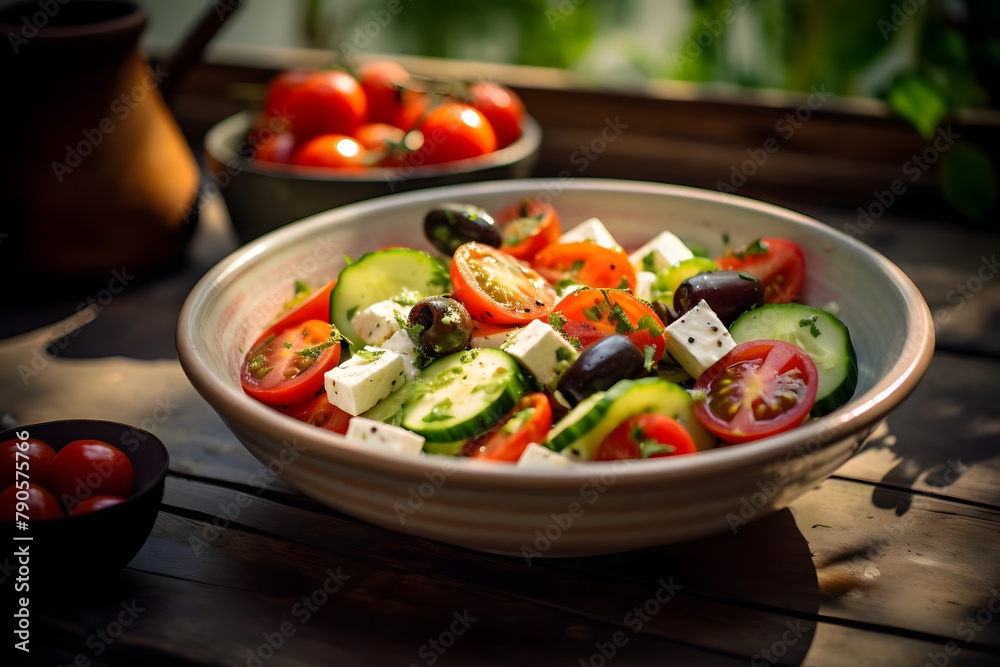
x,y
698,339
662,251
542,351
401,344
539,456
377,323
379,437
590,230
644,281
358,383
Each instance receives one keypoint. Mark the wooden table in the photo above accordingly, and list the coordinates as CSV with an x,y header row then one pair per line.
x,y
895,560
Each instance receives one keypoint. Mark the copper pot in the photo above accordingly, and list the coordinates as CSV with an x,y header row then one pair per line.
x,y
95,175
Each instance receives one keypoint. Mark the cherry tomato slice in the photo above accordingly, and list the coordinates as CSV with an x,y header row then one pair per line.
x,y
34,460
498,289
646,436
37,504
288,367
779,263
318,411
587,263
758,389
315,306
529,421
94,504
528,227
502,107
592,314
86,468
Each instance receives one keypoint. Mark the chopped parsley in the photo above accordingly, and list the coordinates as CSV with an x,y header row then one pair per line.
x,y
624,284
557,322
811,323
649,262
593,313
755,248
288,346
369,354
576,266
652,324
648,352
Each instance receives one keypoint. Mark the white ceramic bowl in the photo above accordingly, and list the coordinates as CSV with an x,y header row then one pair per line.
x,y
587,509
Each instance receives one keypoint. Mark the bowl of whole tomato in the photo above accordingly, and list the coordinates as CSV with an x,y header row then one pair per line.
x,y
79,496
325,138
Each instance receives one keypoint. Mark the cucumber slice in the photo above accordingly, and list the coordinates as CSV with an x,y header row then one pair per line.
x,y
668,280
381,275
463,394
579,434
820,334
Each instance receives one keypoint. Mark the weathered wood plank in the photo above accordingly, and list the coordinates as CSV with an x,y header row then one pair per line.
x,y
247,593
942,439
956,559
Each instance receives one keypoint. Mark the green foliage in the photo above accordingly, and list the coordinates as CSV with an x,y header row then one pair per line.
x,y
969,181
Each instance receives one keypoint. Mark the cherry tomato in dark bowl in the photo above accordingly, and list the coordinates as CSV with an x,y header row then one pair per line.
x,y
84,550
32,454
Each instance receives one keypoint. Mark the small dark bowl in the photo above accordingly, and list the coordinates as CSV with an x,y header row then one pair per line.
x,y
96,545
262,197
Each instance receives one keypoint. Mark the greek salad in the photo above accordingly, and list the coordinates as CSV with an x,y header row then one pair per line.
x,y
510,340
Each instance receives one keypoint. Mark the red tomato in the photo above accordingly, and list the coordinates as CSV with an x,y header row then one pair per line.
x,y
646,436
33,458
288,367
528,227
36,504
379,136
502,107
587,263
760,388
278,90
779,263
318,411
327,102
384,83
94,504
415,107
529,421
592,314
86,468
316,306
454,132
332,151
498,289
276,148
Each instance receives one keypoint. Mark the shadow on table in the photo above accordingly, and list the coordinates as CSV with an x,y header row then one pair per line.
x,y
751,595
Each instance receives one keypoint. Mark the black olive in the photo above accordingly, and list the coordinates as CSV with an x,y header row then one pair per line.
x,y
452,224
439,325
665,312
728,293
599,366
